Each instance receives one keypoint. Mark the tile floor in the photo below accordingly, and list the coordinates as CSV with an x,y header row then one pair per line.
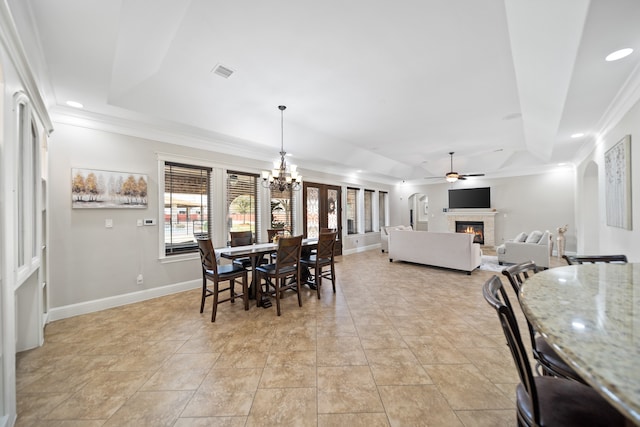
x,y
397,345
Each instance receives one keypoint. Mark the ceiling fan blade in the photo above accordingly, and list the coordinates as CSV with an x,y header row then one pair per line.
x,y
461,177
472,174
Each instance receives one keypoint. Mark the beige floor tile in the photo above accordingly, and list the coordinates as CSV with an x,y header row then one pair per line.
x,y
424,350
347,389
396,367
465,387
182,372
295,407
420,405
219,403
151,408
488,418
435,349
211,422
353,420
88,406
288,376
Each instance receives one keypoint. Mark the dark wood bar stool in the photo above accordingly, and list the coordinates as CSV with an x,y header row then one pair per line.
x,y
547,358
321,259
216,274
594,259
287,266
544,400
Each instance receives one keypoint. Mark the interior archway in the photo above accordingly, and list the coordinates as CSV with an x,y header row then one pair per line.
x,y
419,211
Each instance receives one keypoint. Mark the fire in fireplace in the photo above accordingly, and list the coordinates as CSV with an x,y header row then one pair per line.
x,y
472,227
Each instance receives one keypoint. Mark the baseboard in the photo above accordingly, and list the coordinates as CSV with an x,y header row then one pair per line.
x,y
119,300
361,249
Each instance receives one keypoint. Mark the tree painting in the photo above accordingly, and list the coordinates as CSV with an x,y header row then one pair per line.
x,y
104,189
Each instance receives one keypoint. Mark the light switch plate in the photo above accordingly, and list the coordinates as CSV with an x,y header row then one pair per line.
x,y
108,223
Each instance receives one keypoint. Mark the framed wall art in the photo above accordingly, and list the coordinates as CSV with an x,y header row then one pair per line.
x,y
617,165
96,189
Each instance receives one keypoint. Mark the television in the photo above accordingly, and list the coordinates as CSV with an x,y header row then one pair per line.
x,y
470,198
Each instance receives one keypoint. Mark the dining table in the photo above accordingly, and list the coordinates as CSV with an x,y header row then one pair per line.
x,y
590,314
255,252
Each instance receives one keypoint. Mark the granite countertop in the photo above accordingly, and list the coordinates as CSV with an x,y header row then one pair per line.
x,y
591,315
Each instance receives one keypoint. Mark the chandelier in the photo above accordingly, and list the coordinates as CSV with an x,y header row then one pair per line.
x,y
282,177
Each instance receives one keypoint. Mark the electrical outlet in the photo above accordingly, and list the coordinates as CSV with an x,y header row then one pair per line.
x,y
139,223
139,280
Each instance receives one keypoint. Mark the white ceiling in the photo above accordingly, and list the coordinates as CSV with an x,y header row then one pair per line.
x,y
385,87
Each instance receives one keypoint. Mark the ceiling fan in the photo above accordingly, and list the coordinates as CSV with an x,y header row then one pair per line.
x,y
454,176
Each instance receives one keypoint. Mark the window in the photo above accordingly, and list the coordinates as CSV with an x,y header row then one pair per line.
x,y
282,210
28,182
368,211
187,210
352,210
382,209
242,204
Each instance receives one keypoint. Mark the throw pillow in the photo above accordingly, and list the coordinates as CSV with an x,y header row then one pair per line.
x,y
534,237
521,237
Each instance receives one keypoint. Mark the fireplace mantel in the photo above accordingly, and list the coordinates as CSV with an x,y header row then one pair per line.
x,y
487,217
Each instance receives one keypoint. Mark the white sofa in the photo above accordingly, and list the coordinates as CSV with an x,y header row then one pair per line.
x,y
534,246
449,250
384,235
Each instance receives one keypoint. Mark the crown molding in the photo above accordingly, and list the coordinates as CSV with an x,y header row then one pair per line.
x,y
13,45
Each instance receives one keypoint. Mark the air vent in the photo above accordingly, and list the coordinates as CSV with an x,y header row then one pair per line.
x,y
222,71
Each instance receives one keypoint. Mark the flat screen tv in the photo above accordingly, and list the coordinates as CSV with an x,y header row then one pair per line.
x,y
470,198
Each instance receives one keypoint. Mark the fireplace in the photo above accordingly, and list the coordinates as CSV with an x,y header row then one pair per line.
x,y
472,227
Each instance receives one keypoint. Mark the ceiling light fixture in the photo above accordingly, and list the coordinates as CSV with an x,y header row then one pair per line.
x,y
74,104
577,135
282,177
619,54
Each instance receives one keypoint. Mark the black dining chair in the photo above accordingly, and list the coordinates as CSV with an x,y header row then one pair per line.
x,y
548,359
322,261
216,274
287,266
594,259
545,400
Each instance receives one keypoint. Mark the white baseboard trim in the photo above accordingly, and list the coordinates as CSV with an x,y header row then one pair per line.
x,y
361,249
118,300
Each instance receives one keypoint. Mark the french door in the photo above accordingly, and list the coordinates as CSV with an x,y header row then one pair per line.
x,y
322,209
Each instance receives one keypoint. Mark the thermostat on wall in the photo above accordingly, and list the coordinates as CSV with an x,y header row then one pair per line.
x,y
149,221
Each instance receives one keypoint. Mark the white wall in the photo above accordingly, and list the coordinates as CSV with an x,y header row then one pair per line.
x,y
610,239
524,203
93,267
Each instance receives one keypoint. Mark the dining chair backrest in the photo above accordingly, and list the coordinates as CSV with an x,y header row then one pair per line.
x,y
594,259
207,255
289,250
326,245
241,238
517,274
273,232
495,295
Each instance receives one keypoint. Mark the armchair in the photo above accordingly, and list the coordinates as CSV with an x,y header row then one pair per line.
x,y
534,247
384,235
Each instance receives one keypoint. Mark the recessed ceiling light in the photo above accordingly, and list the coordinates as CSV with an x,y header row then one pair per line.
x,y
619,54
359,171
74,104
577,135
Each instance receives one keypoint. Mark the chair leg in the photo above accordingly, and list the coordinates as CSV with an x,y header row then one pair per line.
x,y
204,293
318,273
215,301
232,290
298,288
258,285
333,277
277,284
245,292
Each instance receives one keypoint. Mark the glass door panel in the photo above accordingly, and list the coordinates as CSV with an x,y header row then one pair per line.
x,y
322,210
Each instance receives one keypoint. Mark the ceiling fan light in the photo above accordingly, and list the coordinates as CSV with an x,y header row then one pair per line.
x,y
451,177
